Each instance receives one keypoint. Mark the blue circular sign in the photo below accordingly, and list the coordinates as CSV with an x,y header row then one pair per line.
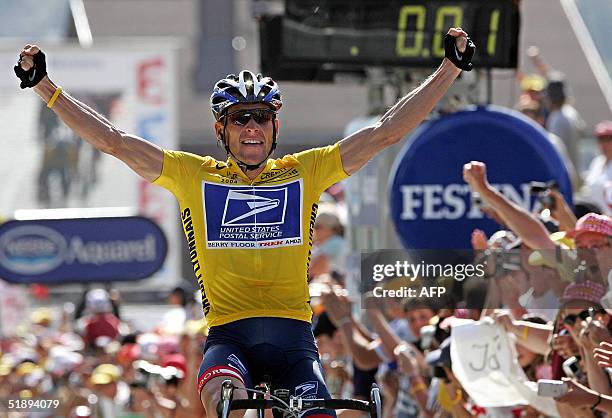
x,y
430,202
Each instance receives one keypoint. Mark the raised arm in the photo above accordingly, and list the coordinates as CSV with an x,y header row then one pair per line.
x,y
357,149
338,309
140,155
523,223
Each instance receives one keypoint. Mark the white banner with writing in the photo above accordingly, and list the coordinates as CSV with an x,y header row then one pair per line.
x,y
485,362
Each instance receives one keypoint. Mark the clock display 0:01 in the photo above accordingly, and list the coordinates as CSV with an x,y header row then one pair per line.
x,y
442,14
396,32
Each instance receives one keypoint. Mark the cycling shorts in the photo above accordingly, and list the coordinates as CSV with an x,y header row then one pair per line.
x,y
281,349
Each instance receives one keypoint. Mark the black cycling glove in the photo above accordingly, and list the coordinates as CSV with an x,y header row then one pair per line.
x,y
461,60
33,76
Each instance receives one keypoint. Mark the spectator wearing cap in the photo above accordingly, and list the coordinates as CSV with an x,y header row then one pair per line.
x,y
563,120
113,393
533,87
547,285
101,324
597,186
42,317
581,308
592,231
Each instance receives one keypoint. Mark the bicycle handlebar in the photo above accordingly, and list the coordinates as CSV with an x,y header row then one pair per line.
x,y
354,404
295,405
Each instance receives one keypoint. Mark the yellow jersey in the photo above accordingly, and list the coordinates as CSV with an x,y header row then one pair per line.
x,y
250,240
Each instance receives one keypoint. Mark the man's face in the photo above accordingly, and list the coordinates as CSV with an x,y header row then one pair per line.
x,y
108,390
599,244
249,131
418,318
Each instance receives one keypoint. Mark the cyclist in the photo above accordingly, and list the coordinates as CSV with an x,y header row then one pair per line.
x,y
249,220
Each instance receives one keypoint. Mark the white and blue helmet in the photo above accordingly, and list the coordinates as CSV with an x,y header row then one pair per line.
x,y
244,88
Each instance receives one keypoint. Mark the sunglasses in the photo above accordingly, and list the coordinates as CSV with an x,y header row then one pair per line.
x,y
260,116
583,315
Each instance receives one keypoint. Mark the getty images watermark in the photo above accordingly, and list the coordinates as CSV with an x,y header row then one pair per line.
x,y
421,274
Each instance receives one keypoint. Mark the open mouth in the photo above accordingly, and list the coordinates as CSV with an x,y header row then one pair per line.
x,y
251,142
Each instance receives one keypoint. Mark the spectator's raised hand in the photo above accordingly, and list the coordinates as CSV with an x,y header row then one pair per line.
x,y
565,345
509,290
577,394
406,359
592,334
371,301
603,354
505,320
479,240
562,212
475,175
337,305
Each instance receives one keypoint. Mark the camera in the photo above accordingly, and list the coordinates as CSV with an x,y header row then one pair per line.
x,y
571,366
507,261
501,262
541,190
551,388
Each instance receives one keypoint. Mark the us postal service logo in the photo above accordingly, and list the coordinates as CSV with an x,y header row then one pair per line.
x,y
253,216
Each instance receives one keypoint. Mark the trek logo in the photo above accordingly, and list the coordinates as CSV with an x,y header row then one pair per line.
x,y
253,216
241,207
307,389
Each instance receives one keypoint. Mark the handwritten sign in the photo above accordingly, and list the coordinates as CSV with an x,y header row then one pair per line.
x,y
485,362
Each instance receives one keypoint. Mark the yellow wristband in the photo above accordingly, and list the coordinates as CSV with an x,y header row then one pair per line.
x,y
525,332
58,91
458,398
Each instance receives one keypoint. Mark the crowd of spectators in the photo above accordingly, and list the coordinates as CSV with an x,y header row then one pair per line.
x,y
96,364
549,296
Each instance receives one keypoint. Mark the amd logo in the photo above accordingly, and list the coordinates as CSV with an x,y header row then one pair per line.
x,y
451,201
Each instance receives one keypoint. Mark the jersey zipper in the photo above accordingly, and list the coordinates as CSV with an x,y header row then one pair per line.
x,y
258,258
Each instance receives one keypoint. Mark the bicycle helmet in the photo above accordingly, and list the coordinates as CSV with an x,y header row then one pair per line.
x,y
244,88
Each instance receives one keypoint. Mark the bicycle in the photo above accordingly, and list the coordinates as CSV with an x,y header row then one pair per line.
x,y
291,406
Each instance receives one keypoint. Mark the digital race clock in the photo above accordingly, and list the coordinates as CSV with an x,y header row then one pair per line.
x,y
405,33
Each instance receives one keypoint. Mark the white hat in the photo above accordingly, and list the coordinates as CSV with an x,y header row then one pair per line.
x,y
98,301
